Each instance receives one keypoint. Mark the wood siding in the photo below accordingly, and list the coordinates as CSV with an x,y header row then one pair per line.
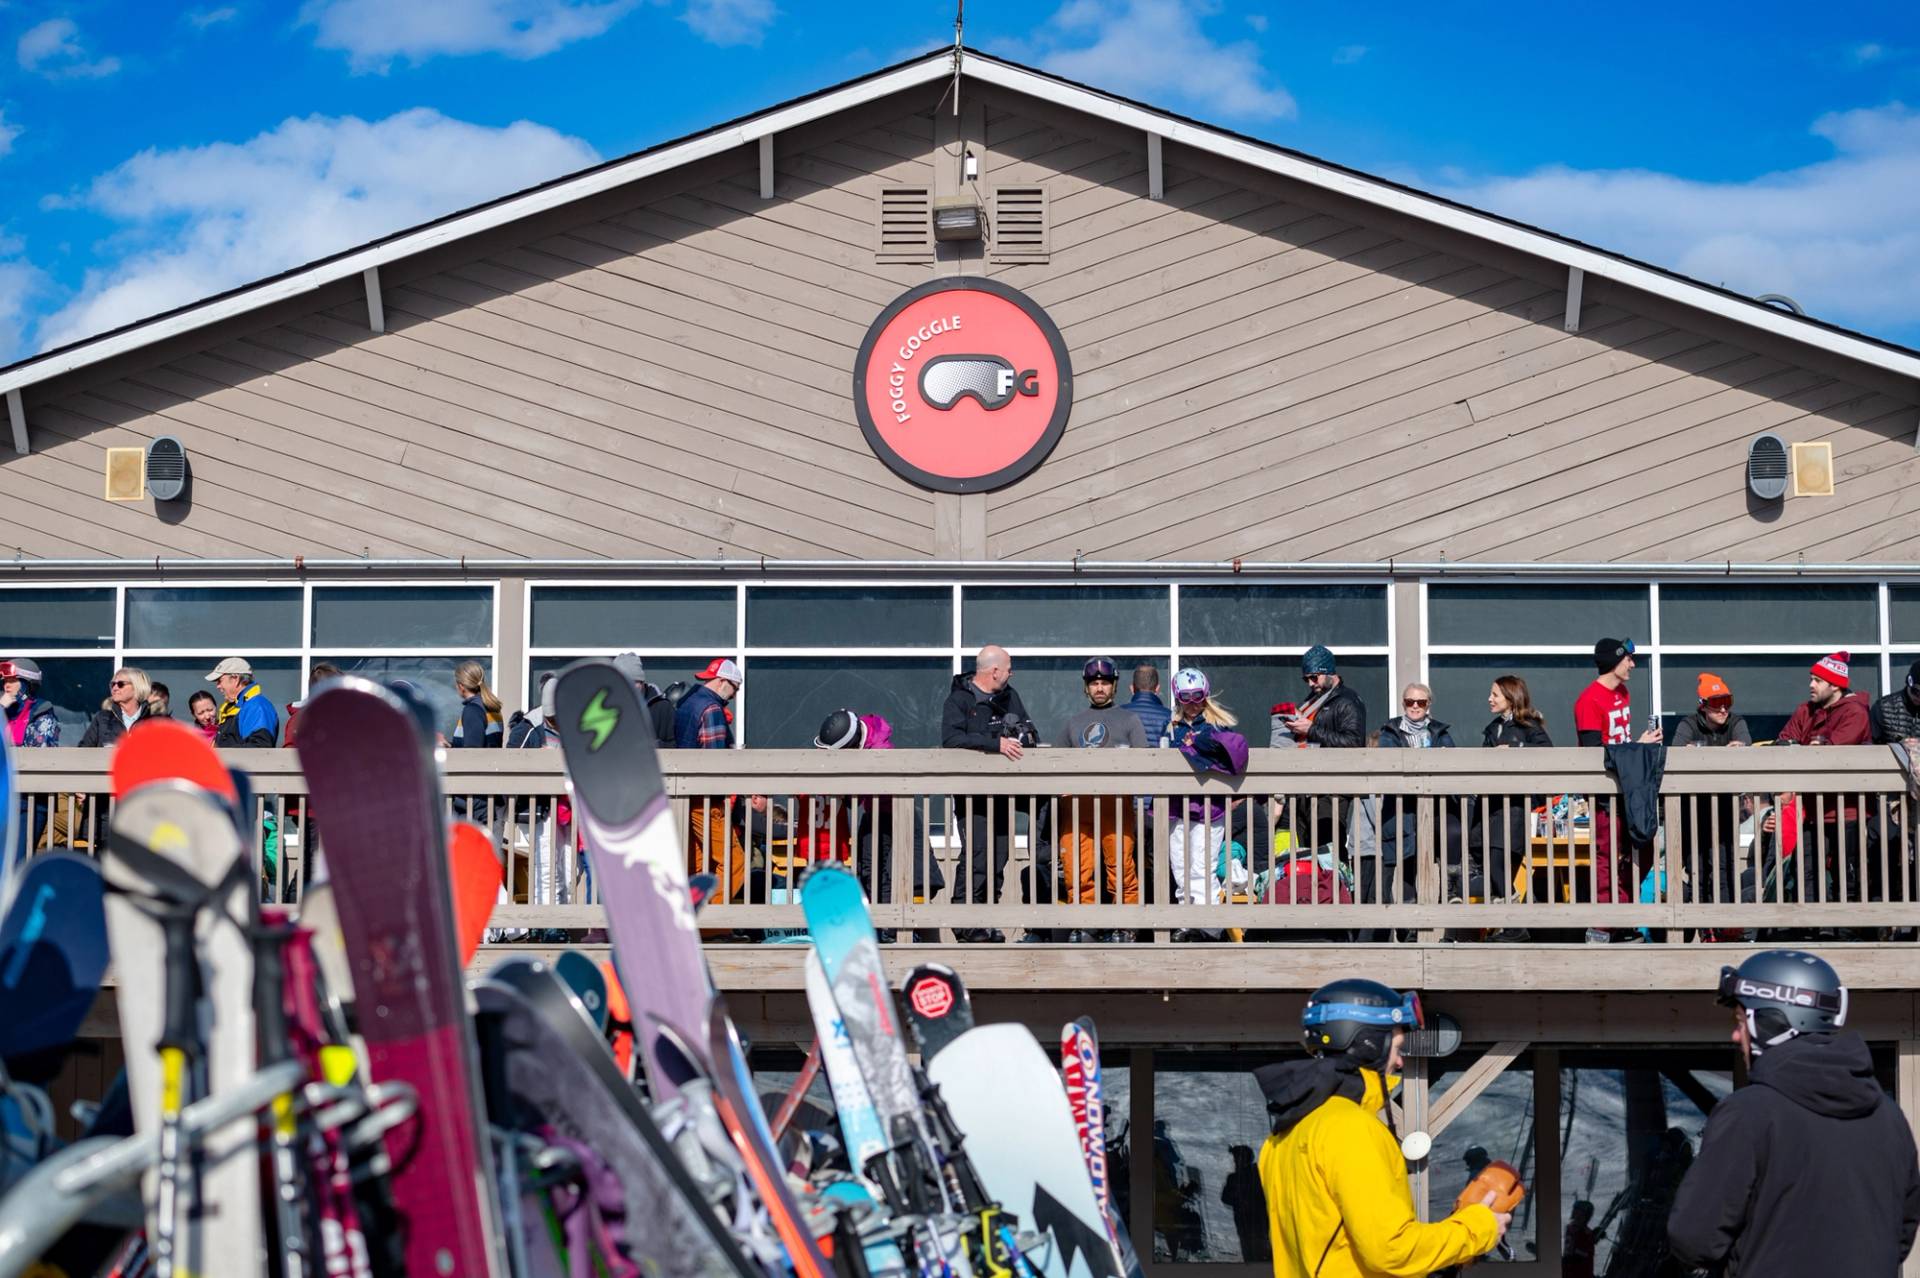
x,y
1262,371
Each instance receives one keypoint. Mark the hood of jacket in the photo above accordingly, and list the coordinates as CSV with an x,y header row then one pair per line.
x,y
964,683
1828,1074
1295,1089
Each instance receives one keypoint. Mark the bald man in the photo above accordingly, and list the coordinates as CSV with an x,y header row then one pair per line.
x,y
984,713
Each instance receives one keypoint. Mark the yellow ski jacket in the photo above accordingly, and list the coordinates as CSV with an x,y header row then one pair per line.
x,y
1339,1204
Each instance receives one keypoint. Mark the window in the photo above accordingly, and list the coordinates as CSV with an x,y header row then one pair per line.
x,y
788,697
1089,618
1499,1123
433,676
1766,687
178,633
1283,616
619,618
1535,613
1051,687
1460,684
1252,686
850,617
1209,1121
1827,616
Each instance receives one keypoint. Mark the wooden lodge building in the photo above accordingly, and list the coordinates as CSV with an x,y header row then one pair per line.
x,y
946,356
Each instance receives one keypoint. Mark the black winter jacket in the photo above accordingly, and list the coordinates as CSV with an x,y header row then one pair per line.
x,y
1807,1170
1894,718
1341,721
106,727
967,722
1511,732
1393,738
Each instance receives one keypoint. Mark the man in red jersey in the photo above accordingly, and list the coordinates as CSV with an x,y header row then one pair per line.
x,y
1602,716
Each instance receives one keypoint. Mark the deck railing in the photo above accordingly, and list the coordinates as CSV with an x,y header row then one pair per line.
x,y
1308,844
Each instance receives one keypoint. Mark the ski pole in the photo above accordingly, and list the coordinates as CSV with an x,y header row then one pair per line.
x,y
270,1021
178,1049
791,1105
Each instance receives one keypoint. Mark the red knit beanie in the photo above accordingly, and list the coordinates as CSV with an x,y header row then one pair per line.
x,y
1833,668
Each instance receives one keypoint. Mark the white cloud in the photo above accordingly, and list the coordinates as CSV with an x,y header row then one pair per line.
x,y
54,49
1258,21
1837,235
21,285
1157,50
1862,54
204,18
8,132
730,22
375,33
1348,54
198,220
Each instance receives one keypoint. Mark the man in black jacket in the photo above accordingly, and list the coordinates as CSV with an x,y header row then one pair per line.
x,y
984,713
660,711
1333,717
1810,1168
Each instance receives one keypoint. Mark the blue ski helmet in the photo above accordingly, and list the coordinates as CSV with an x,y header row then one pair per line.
x,y
1356,1018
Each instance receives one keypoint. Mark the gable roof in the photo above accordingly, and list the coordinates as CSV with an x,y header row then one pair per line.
x,y
929,69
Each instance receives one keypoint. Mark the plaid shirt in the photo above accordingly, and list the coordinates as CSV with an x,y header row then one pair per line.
x,y
715,732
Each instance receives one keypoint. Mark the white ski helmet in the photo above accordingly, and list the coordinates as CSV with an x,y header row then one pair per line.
x,y
1190,684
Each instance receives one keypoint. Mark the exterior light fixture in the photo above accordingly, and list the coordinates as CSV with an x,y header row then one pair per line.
x,y
956,217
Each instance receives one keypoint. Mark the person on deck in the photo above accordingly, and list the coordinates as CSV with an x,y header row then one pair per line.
x,y
701,722
1603,716
247,716
126,705
1097,830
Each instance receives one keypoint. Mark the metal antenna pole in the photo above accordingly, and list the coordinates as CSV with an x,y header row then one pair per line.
x,y
959,50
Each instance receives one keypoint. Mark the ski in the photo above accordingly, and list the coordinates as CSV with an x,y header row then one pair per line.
x,y
561,1067
1004,1094
10,818
938,1008
180,910
474,866
853,1105
620,800
53,955
1086,1098
584,978
370,773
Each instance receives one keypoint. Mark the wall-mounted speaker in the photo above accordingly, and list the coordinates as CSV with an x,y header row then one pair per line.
x,y
1767,467
126,474
166,468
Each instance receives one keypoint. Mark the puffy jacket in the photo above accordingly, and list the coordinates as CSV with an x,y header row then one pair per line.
x,y
1697,729
1341,721
700,721
250,721
1154,716
1338,1201
1894,718
106,727
1809,1169
1393,735
1845,722
967,721
1503,731
34,723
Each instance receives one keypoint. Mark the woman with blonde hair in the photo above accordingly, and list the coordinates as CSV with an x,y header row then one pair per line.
x,y
1201,730
482,723
126,705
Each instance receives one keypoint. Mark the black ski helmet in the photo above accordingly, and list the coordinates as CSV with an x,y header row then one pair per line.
x,y
1356,1018
840,730
1785,993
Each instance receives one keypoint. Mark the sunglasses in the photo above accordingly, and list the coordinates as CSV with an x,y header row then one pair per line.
x,y
1414,701
121,683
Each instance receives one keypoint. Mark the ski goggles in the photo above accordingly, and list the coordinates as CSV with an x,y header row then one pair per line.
x,y
1099,668
1734,989
1407,1013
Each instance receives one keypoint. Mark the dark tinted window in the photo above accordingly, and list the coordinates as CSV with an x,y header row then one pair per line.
x,y
1766,688
57,617
232,619
1098,618
636,617
1831,613
1460,685
850,617
788,697
1252,686
403,617
433,676
1500,614
1283,616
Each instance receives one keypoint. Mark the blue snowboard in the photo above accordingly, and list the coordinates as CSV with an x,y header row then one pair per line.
x,y
53,953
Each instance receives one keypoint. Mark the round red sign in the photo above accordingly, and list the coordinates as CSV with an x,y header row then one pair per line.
x,y
962,385
932,998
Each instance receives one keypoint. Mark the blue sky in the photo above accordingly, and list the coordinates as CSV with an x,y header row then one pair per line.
x,y
152,153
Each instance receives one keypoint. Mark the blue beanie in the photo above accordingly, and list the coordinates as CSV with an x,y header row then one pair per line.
x,y
1319,660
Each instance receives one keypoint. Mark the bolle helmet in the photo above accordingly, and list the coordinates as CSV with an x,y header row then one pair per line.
x,y
1356,1018
1784,994
841,730
1190,685
1100,668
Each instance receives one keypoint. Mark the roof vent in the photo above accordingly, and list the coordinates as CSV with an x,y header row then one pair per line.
x,y
906,224
1767,467
1019,223
166,468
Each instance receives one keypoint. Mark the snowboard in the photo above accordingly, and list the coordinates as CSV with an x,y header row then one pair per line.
x,y
938,1009
169,750
53,954
1086,1098
620,801
859,1121
1004,1094
373,789
173,847
583,977
475,867
563,1069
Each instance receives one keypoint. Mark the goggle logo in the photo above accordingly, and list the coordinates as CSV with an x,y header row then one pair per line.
x,y
962,385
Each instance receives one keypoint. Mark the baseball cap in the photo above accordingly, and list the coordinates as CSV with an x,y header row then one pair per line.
x,y
631,668
1711,686
231,666
1099,668
723,668
22,668
1609,653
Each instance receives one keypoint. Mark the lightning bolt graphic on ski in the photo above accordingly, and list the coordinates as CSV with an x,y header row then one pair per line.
x,y
599,718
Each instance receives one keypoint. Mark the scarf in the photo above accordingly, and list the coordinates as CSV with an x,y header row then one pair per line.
x,y
1419,735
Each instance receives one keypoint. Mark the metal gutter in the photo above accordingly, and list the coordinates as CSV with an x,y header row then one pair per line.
x,y
951,567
